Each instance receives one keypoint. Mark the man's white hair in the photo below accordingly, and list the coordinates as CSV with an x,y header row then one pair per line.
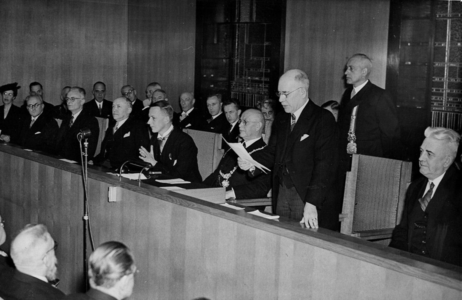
x,y
447,136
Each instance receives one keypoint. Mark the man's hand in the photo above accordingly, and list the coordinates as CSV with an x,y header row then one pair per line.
x,y
147,156
244,165
5,138
310,216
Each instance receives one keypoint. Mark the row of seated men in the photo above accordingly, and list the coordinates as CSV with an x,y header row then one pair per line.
x,y
29,271
309,154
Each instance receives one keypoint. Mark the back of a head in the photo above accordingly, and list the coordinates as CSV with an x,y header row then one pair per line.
x,y
108,263
29,246
449,137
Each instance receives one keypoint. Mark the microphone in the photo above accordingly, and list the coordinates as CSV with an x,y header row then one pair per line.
x,y
84,133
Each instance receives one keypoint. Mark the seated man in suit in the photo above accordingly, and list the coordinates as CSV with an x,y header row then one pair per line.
x,y
432,218
267,108
150,89
10,114
33,254
38,130
67,144
217,121
98,106
190,117
124,138
238,183
130,93
230,132
61,110
172,151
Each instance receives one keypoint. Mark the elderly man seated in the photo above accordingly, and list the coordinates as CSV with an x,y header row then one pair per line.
x,y
172,151
432,218
228,174
33,253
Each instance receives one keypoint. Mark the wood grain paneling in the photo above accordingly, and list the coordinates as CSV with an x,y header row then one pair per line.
x,y
186,248
322,34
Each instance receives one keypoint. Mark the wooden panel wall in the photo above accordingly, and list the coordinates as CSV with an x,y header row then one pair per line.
x,y
161,46
79,42
322,34
185,248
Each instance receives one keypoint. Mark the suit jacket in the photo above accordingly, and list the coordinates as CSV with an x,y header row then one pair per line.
x,y
9,126
245,186
67,144
60,111
41,136
106,110
194,120
308,154
137,107
377,127
22,286
218,124
92,294
125,143
444,218
230,137
179,156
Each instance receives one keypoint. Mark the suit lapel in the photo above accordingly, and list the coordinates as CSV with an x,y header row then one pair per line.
x,y
303,122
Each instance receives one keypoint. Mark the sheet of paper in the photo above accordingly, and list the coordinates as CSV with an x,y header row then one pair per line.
x,y
134,176
173,181
260,214
242,153
172,188
232,206
27,149
68,160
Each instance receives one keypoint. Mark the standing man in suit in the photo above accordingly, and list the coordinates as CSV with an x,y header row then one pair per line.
x,y
124,138
231,130
302,149
190,117
38,130
238,183
98,106
217,120
67,144
33,254
431,223
172,151
130,93
10,114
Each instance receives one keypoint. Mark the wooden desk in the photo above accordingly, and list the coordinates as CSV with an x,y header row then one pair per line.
x,y
186,248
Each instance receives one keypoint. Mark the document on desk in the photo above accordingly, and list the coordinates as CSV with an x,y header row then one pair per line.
x,y
173,181
260,214
242,153
134,176
68,160
232,206
172,188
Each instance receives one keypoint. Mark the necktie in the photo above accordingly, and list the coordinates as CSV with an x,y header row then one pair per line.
x,y
426,198
292,122
353,93
32,122
115,128
161,142
71,122
100,107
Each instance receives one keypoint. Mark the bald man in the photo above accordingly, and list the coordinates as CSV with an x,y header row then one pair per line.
x,y
238,185
302,149
33,253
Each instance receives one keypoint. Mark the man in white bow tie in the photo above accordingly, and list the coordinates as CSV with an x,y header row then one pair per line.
x,y
302,152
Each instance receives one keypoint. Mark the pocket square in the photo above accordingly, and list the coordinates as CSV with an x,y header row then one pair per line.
x,y
189,125
305,136
38,132
127,134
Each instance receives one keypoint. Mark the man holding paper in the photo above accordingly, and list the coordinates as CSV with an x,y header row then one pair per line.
x,y
238,183
302,152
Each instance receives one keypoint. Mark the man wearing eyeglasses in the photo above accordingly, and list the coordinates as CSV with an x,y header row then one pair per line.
x,y
36,89
37,130
33,254
10,114
98,106
67,144
302,152
130,93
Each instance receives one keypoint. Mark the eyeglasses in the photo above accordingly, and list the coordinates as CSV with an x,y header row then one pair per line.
x,y
72,100
33,106
285,94
127,93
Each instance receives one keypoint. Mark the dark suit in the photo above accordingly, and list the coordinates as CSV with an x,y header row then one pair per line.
x,y
61,111
245,187
442,220
9,126
137,107
125,143
194,120
377,127
230,136
24,287
305,158
216,125
92,294
67,144
105,112
178,158
41,136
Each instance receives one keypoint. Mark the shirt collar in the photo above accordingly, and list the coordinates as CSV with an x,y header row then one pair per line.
x,y
77,114
435,182
167,133
120,123
298,112
189,111
359,87
250,142
216,116
35,118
